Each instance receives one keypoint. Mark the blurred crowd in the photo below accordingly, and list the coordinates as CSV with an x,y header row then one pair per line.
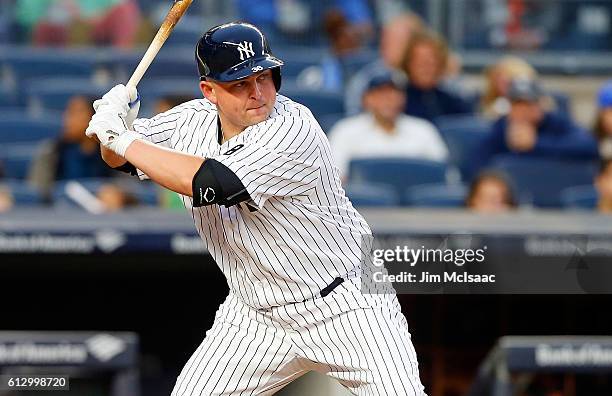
x,y
403,90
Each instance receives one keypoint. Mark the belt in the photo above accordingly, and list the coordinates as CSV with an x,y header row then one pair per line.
x,y
329,288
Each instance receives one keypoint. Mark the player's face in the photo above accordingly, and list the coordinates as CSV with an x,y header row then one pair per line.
x,y
244,102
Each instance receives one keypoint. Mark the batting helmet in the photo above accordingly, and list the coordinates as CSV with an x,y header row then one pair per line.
x,y
235,50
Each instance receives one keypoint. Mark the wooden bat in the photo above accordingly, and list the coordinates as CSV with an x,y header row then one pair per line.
x,y
174,15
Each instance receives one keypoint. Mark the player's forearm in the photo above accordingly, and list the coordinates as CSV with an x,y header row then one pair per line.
x,y
113,160
169,168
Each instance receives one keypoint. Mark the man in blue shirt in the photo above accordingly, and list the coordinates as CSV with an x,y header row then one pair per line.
x,y
529,130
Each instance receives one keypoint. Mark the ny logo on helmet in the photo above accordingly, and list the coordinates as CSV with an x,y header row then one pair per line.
x,y
246,50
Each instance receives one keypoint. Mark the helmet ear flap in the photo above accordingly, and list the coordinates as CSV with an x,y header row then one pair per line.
x,y
276,77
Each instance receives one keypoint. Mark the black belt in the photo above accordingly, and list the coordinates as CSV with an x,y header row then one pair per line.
x,y
329,288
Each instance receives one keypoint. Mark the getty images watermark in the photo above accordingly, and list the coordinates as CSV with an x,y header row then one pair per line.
x,y
404,255
485,264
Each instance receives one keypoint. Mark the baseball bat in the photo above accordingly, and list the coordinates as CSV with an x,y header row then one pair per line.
x,y
174,15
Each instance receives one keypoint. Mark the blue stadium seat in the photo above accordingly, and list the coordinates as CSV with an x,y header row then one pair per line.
x,y
49,65
439,195
298,58
328,121
176,62
374,195
398,173
150,91
320,103
16,158
19,126
463,136
580,197
544,179
8,97
22,193
54,93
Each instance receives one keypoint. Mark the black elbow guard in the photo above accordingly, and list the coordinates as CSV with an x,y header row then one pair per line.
x,y
215,183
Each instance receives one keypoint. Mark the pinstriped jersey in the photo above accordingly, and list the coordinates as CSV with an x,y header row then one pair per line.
x,y
298,232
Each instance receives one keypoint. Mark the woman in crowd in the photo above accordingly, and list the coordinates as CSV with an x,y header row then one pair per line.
x,y
491,192
494,102
603,121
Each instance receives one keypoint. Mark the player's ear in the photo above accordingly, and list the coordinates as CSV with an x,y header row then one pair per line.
x,y
208,90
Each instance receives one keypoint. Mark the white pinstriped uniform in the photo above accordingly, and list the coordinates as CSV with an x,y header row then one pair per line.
x,y
278,251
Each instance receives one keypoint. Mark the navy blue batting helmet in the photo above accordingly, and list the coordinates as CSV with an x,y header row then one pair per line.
x,y
235,50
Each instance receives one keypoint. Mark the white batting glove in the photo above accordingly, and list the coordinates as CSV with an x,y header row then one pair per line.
x,y
123,100
111,129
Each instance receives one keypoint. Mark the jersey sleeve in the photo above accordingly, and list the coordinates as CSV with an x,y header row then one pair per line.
x,y
280,158
157,130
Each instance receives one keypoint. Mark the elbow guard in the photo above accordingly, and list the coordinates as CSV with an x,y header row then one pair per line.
x,y
215,183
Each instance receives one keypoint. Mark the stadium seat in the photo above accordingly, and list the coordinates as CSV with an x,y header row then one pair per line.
x,y
463,135
150,91
53,94
22,193
320,103
439,195
328,121
16,158
20,126
580,197
297,59
374,195
8,97
178,62
544,179
398,173
37,63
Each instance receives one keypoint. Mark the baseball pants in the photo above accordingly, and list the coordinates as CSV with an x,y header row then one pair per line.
x,y
362,341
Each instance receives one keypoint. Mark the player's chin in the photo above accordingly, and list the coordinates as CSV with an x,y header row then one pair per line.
x,y
258,115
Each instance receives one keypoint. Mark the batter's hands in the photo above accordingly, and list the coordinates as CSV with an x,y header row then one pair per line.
x,y
111,130
124,100
112,122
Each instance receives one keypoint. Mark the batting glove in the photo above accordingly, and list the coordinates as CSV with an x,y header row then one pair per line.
x,y
111,129
121,99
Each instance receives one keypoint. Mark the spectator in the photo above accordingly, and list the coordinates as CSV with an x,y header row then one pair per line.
x,y
494,102
425,64
60,22
529,130
294,18
72,155
6,199
603,121
491,192
603,184
383,131
345,42
114,198
394,38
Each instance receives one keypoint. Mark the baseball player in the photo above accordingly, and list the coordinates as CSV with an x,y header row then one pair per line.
x,y
255,171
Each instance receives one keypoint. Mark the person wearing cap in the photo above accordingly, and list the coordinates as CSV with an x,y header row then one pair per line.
x,y
382,130
530,130
603,121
